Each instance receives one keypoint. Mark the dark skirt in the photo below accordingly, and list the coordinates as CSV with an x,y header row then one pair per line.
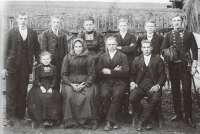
x,y
79,107
45,106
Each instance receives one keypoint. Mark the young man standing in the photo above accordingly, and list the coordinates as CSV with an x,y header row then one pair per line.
x,y
126,40
20,44
156,39
184,42
54,41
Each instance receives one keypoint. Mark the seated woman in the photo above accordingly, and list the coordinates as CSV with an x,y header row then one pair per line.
x,y
43,101
78,89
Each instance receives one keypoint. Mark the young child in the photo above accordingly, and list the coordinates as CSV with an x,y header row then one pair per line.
x,y
43,101
156,39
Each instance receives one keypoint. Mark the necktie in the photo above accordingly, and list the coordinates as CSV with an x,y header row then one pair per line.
x,y
55,32
23,34
147,61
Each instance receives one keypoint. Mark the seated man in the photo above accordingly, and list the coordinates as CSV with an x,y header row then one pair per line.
x,y
146,78
112,70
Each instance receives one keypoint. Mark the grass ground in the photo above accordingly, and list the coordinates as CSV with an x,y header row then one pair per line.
x,y
125,128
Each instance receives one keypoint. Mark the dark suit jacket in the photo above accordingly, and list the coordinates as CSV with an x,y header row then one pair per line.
x,y
156,70
189,43
125,44
13,46
156,41
49,40
105,62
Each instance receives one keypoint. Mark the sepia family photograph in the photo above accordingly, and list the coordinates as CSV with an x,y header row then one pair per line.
x,y
100,66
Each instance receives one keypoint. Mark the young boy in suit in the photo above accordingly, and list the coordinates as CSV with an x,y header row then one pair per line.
x,y
54,41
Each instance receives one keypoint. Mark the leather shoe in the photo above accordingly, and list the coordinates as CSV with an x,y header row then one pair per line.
x,y
148,125
108,126
177,118
116,126
190,123
9,123
140,127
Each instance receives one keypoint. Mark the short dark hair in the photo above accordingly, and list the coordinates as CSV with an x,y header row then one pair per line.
x,y
122,20
89,19
146,41
23,13
55,16
177,15
150,21
112,38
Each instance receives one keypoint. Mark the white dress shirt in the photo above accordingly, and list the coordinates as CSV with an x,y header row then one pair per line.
x,y
123,34
55,31
23,32
149,36
112,54
147,59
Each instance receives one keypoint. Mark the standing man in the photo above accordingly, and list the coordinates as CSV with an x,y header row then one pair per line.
x,y
184,41
156,39
126,40
112,70
55,42
20,44
146,79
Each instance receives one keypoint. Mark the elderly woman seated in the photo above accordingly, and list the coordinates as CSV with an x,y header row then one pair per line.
x,y
78,89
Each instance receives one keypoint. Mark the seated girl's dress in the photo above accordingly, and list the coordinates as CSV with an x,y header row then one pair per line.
x,y
44,106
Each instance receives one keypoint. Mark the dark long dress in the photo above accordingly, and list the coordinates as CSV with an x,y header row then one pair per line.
x,y
44,106
79,107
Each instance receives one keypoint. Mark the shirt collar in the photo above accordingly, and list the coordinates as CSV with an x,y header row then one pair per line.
x,y
54,29
150,35
121,33
149,56
22,28
112,52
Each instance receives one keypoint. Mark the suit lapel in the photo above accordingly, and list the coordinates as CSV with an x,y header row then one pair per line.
x,y
52,33
29,32
142,63
154,38
59,33
115,59
119,38
126,37
107,57
18,35
151,60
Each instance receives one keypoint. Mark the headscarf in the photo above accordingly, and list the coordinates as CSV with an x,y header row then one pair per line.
x,y
84,51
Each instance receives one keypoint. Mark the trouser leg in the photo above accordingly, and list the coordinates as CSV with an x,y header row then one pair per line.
x,y
154,100
187,99
11,95
135,99
175,88
23,77
118,92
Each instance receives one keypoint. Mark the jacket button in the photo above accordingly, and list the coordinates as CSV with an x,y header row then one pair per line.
x,y
53,44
